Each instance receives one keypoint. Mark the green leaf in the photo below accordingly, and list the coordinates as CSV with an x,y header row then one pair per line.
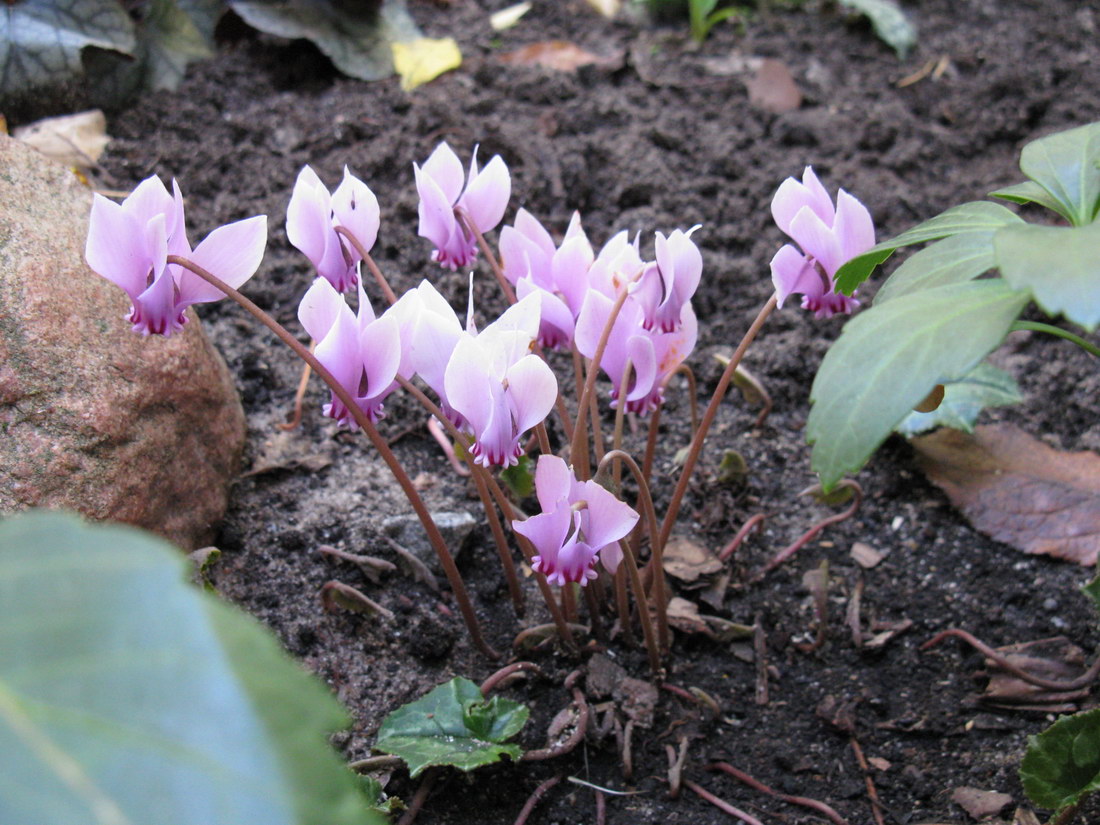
x,y
520,478
204,15
889,23
41,40
1058,264
963,400
976,216
949,261
355,37
127,696
889,357
1062,764
452,725
172,41
1028,192
1064,164
1092,590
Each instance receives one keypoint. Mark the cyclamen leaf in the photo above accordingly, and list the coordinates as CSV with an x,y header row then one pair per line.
x,y
1064,164
889,357
172,41
976,216
1062,764
1092,590
963,400
127,695
1029,192
41,40
452,725
358,42
889,23
949,261
1058,264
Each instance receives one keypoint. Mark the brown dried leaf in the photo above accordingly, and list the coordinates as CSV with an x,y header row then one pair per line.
x,y
72,140
865,555
1018,490
560,55
687,561
773,89
980,804
684,615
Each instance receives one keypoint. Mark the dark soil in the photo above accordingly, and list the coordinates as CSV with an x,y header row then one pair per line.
x,y
665,140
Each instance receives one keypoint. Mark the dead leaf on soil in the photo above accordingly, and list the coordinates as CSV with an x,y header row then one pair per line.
x,y
773,89
980,804
1056,659
560,55
865,555
687,561
1018,490
72,140
424,59
288,451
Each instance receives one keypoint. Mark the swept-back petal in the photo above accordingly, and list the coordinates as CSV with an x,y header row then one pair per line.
x,y
150,198
554,481
854,229
355,208
445,169
116,247
309,215
793,273
534,231
608,519
339,351
532,390
547,531
469,388
437,220
380,351
817,240
232,252
319,308
486,196
569,268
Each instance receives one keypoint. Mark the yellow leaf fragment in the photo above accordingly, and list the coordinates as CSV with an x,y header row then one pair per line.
x,y
424,59
506,18
608,8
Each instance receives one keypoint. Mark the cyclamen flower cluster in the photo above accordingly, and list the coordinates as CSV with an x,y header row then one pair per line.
x,y
828,236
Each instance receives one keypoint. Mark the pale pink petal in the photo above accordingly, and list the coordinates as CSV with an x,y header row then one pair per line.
x,y
437,220
556,325
817,198
553,481
445,170
486,196
609,519
793,273
817,239
151,198
529,226
355,208
308,215
531,390
232,253
116,247
380,353
319,309
339,352
569,268
643,362
854,229
469,388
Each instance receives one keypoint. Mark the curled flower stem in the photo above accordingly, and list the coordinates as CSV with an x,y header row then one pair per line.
x,y
577,449
420,797
651,442
434,536
574,739
648,634
543,630
650,513
617,438
823,809
1084,680
534,798
721,804
469,226
508,670
379,278
708,418
746,528
622,606
804,539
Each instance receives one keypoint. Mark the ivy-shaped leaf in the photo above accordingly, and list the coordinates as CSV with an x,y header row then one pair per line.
x,y
1064,164
357,38
41,40
452,725
1062,764
889,23
949,261
889,357
127,695
963,400
976,216
1059,264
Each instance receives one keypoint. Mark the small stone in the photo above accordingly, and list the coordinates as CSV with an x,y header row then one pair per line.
x,y
116,426
407,531
865,555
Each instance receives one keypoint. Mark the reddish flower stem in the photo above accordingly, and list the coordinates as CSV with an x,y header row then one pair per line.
x,y
420,797
469,226
746,528
379,278
708,418
398,472
805,802
574,739
1084,680
508,670
721,804
804,539
534,798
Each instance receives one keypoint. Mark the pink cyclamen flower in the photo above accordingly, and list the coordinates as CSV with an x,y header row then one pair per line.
x,y
363,353
495,382
653,355
313,216
580,523
828,237
129,244
668,283
483,197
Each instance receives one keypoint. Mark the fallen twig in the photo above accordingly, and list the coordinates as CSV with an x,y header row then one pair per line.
x,y
806,802
804,539
372,567
872,793
1085,679
337,594
420,571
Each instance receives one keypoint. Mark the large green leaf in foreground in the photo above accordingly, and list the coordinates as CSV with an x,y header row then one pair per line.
x,y
128,696
888,359
452,725
1064,164
1062,764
